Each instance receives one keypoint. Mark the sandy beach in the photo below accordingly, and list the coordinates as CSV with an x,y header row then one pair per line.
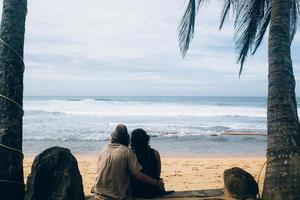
x,y
179,172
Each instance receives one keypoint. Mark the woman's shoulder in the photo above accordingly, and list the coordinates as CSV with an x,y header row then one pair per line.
x,y
153,150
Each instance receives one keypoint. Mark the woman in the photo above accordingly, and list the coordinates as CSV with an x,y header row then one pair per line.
x,y
150,160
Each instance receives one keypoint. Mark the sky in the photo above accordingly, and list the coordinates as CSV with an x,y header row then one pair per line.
x,y
130,48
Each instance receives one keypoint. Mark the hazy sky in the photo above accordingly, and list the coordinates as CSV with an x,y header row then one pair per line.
x,y
130,47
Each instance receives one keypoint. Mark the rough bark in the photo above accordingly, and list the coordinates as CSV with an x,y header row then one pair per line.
x,y
11,85
283,172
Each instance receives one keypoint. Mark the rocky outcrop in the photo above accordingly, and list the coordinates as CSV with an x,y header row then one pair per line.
x,y
54,176
240,184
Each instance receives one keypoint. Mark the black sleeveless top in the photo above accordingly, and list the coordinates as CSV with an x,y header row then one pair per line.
x,y
149,162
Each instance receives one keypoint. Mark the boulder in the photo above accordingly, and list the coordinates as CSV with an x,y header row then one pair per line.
x,y
240,184
54,176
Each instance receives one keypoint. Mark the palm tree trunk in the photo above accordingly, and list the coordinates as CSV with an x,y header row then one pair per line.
x,y
282,181
11,86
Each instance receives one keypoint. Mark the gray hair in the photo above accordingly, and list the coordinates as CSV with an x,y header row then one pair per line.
x,y
120,135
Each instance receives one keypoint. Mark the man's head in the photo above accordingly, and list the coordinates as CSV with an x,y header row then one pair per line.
x,y
120,135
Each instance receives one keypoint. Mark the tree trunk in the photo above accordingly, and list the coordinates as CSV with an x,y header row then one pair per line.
x,y
282,180
11,86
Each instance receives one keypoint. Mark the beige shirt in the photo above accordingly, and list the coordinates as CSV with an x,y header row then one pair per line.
x,y
115,165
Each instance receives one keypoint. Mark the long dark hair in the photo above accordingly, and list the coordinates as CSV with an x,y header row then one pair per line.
x,y
139,142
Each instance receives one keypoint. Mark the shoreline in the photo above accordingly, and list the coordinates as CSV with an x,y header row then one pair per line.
x,y
245,133
232,144
90,156
224,133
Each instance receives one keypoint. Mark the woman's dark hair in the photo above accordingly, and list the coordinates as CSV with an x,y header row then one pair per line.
x,y
139,141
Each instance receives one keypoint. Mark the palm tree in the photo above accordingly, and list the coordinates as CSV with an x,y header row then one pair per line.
x,y
252,18
11,98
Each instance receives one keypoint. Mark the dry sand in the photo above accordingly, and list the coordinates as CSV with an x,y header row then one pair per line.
x,y
179,172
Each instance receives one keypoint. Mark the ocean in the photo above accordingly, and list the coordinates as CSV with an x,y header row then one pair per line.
x,y
177,125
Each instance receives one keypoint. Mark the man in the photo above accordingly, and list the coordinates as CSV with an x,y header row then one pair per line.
x,y
116,164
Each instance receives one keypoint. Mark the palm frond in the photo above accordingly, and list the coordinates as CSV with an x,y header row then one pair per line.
x,y
252,18
187,25
199,3
295,11
262,29
248,20
228,5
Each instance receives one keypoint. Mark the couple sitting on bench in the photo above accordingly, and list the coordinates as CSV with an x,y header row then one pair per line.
x,y
121,169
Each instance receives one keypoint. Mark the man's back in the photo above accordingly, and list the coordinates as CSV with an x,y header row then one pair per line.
x,y
115,164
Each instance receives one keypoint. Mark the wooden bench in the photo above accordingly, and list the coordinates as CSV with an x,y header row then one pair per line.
x,y
211,194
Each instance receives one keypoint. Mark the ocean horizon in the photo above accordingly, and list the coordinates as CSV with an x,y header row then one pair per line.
x,y
199,125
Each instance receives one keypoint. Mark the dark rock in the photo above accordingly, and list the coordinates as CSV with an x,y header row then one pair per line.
x,y
240,184
54,176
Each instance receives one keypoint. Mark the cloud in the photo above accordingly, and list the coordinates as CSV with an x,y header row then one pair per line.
x,y
130,47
